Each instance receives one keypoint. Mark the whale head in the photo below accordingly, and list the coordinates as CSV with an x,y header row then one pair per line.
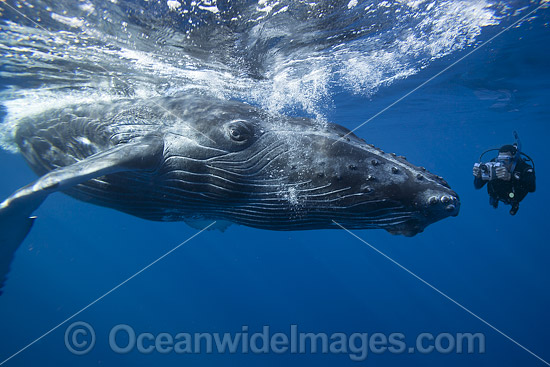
x,y
280,173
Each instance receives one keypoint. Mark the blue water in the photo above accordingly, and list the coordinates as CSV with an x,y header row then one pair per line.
x,y
493,264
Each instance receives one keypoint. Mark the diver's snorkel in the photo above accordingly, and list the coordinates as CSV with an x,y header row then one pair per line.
x,y
517,144
517,154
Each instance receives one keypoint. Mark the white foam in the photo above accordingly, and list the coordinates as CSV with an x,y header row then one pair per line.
x,y
209,6
303,81
71,22
173,5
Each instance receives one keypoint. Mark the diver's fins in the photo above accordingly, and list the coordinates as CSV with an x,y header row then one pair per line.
x,y
16,211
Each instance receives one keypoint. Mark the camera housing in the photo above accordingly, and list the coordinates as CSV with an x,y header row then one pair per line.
x,y
488,170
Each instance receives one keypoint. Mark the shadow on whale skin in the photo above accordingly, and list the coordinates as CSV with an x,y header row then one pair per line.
x,y
193,159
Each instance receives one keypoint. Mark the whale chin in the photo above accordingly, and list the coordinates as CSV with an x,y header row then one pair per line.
x,y
408,229
405,232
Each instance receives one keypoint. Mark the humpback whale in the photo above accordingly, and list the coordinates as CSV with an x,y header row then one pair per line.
x,y
191,158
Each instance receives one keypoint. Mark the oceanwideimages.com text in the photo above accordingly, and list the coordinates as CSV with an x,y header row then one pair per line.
x,y
80,338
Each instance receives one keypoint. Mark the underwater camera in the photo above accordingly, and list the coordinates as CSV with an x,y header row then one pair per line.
x,y
488,170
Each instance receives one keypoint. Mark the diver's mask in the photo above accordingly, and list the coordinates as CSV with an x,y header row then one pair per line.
x,y
505,159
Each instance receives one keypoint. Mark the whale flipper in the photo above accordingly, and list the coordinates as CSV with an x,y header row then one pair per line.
x,y
12,233
16,211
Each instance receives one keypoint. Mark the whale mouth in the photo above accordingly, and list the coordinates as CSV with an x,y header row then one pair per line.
x,y
452,209
435,207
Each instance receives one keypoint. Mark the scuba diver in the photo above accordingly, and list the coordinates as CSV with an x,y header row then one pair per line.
x,y
509,176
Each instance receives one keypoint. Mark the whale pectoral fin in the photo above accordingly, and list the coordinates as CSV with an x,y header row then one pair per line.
x,y
16,211
11,235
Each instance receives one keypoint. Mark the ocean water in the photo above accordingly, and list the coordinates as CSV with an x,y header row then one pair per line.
x,y
338,61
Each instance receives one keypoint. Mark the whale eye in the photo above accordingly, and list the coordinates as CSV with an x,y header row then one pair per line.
x,y
239,131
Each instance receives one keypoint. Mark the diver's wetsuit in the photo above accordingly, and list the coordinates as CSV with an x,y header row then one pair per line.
x,y
521,183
